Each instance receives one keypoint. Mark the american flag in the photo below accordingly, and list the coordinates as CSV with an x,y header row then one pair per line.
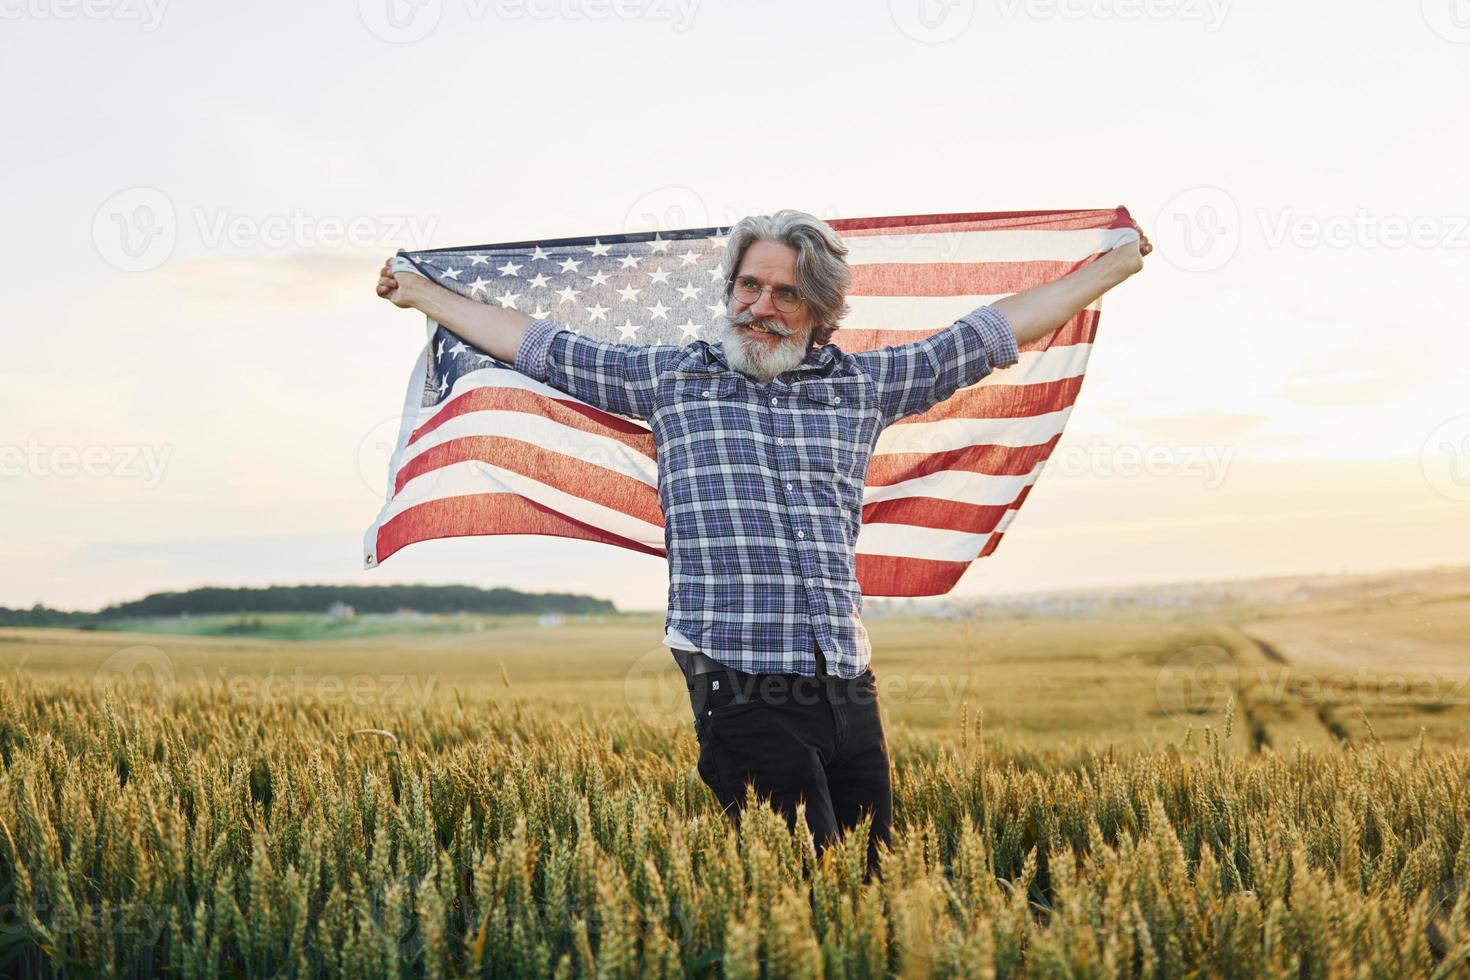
x,y
484,449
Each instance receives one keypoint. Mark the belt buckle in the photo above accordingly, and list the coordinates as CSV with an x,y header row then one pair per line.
x,y
821,670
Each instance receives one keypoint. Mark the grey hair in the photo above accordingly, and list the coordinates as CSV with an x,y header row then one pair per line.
x,y
822,275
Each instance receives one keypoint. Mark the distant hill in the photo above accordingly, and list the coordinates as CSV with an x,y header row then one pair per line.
x,y
316,599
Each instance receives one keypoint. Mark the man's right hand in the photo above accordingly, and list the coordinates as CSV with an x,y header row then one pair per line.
x,y
496,330
399,294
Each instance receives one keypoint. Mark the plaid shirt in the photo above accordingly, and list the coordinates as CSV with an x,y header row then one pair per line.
x,y
761,484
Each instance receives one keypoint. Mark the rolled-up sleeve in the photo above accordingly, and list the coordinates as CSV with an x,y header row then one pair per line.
x,y
531,354
911,378
617,378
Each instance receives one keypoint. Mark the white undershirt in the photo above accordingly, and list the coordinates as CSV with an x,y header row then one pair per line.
x,y
673,638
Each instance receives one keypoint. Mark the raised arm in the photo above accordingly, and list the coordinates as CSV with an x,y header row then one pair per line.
x,y
495,330
618,378
1033,313
912,378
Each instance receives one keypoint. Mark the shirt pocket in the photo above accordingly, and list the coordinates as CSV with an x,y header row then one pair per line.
x,y
833,423
694,386
706,439
700,403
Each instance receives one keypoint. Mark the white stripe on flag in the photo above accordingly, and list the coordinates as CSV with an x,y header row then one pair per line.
x,y
921,247
961,486
927,313
949,434
911,541
1039,367
474,477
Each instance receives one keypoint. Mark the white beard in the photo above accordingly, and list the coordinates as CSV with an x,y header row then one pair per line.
x,y
755,358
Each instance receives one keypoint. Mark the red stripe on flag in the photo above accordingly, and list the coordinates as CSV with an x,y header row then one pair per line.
x,y
492,398
988,458
948,515
932,224
954,278
488,513
544,464
885,575
856,338
1003,402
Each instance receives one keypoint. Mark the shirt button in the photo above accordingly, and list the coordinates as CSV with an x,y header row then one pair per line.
x,y
788,486
773,399
801,534
780,440
837,400
706,394
810,581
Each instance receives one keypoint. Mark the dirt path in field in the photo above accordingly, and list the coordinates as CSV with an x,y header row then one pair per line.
x,y
1254,658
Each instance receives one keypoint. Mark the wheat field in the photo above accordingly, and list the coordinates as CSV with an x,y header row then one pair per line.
x,y
528,806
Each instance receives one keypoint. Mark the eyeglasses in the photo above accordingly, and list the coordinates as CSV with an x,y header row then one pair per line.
x,y
748,291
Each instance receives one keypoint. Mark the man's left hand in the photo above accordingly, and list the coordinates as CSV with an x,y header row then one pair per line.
x,y
1129,255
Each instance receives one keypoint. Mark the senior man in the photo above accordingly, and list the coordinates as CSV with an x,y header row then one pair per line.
x,y
763,440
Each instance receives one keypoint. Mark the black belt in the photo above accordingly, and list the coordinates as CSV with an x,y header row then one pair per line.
x,y
695,663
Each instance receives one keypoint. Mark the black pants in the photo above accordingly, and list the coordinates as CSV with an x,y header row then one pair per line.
x,y
796,738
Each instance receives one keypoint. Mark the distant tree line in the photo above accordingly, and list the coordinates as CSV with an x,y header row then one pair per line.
x,y
39,615
316,599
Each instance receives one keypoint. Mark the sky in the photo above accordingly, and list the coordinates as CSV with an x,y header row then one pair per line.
x,y
197,374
